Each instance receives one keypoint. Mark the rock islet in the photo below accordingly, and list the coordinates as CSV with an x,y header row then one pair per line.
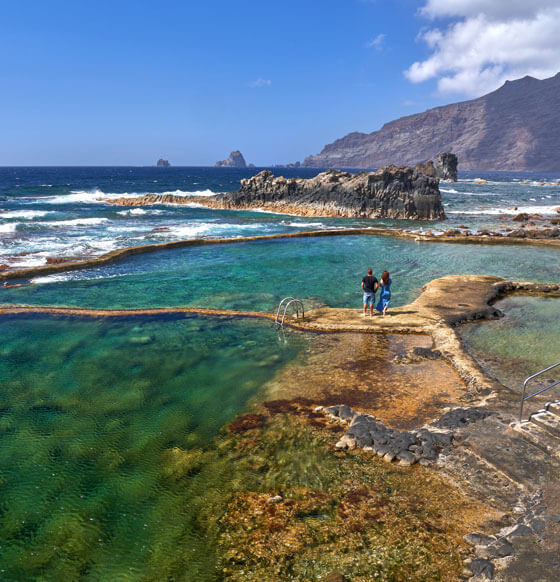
x,y
235,160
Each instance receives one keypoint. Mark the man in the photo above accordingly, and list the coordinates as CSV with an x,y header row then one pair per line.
x,y
369,286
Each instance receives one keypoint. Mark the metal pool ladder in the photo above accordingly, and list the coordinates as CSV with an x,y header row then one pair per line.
x,y
539,391
286,302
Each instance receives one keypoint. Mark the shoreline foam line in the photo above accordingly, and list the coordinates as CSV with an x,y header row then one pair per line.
x,y
117,254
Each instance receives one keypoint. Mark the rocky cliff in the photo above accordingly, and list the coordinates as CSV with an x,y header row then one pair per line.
x,y
397,192
516,127
235,160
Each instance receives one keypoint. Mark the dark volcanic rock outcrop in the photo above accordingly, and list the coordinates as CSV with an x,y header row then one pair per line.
x,y
396,192
235,160
516,127
446,167
161,163
393,192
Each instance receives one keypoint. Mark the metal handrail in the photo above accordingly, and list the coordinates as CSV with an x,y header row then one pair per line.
x,y
298,303
279,307
289,300
540,391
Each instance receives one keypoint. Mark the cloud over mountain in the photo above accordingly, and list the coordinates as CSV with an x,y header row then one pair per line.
x,y
488,42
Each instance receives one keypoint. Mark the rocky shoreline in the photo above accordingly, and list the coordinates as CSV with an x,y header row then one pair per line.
x,y
397,192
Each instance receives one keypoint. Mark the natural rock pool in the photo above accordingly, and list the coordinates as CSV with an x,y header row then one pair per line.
x,y
102,423
519,344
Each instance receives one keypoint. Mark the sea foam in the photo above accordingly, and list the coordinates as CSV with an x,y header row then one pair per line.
x,y
29,214
97,196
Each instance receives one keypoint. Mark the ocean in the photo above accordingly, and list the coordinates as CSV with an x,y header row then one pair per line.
x,y
49,213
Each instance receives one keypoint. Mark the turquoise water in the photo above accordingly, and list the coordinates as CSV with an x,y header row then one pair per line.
x,y
256,275
519,344
101,423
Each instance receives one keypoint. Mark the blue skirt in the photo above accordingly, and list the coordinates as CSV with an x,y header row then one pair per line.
x,y
383,301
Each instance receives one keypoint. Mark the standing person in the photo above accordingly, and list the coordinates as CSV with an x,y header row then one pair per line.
x,y
385,295
369,287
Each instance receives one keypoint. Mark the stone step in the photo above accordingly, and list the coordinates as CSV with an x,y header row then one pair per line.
x,y
539,437
548,421
554,407
512,455
478,477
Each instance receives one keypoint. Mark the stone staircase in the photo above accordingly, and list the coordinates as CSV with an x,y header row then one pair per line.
x,y
543,428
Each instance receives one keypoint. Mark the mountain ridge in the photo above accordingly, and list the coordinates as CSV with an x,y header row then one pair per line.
x,y
515,127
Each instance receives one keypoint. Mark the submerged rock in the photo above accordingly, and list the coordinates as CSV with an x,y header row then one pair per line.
x,y
398,192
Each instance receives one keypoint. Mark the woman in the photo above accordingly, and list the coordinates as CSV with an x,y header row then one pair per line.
x,y
385,296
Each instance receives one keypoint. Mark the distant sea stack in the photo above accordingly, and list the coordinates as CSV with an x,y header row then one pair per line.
x,y
235,160
161,163
516,127
397,192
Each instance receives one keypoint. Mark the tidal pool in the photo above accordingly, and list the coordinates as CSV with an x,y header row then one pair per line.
x,y
257,275
519,344
102,424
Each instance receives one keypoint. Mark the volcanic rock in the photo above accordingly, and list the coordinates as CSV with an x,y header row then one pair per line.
x,y
397,192
161,163
235,160
446,167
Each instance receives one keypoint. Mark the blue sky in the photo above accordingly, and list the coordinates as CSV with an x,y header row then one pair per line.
x,y
122,82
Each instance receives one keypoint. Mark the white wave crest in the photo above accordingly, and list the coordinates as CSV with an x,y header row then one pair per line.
x,y
132,211
449,190
97,196
186,193
75,196
74,222
303,224
8,227
30,214
196,229
545,210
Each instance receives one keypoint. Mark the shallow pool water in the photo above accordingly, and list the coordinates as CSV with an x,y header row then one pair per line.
x,y
257,275
519,344
100,421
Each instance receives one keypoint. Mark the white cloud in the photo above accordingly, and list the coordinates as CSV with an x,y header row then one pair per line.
x,y
257,83
377,42
503,9
489,42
